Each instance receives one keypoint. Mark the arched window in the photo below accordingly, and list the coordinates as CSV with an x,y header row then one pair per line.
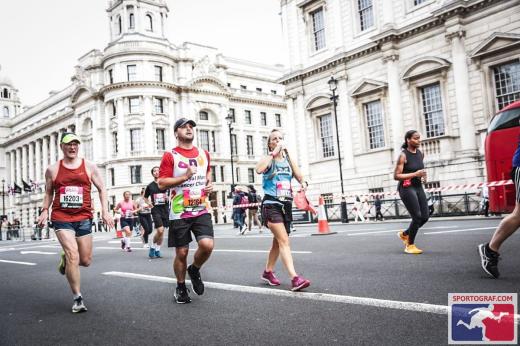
x,y
6,112
119,25
149,22
131,21
5,93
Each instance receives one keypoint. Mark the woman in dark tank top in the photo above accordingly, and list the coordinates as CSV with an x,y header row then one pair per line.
x,y
409,171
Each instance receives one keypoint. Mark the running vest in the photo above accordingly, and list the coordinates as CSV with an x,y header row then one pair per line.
x,y
414,162
127,209
276,181
189,198
72,201
516,156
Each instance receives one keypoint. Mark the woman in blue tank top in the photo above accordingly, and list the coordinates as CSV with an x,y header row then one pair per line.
x,y
278,170
489,252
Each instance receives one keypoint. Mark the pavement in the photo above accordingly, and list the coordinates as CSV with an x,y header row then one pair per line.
x,y
364,291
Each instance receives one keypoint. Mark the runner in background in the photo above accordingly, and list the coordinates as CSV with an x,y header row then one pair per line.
x,y
160,213
128,214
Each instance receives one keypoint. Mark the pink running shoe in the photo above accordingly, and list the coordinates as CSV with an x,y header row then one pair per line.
x,y
299,283
270,278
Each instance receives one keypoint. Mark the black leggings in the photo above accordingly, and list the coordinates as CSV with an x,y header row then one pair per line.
x,y
415,202
146,222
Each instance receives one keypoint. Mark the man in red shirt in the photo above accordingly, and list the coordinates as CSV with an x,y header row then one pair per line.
x,y
67,186
186,171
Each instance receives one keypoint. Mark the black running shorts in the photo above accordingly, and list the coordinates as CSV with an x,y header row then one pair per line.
x,y
179,233
160,217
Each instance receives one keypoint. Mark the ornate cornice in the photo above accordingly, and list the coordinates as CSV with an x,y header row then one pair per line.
x,y
122,85
282,105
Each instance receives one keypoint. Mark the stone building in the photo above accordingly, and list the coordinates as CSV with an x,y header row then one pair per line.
x,y
123,102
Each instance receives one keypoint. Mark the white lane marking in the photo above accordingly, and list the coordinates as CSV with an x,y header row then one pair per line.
x,y
324,297
118,248
119,242
38,253
31,247
16,262
214,250
7,249
462,230
376,232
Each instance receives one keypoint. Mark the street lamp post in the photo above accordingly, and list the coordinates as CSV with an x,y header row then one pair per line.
x,y
333,85
3,196
229,120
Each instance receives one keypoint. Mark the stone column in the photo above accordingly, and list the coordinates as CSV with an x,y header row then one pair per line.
x,y
121,135
149,139
19,175
12,163
299,114
394,98
52,148
45,154
38,161
30,163
467,135
25,163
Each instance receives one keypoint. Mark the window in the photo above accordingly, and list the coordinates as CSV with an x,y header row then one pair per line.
x,y
131,21
223,195
374,118
376,190
213,142
278,120
432,185
366,14
114,144
6,112
264,145
418,2
203,115
119,26
149,22
507,83
112,177
325,132
249,143
318,29
135,174
243,87
204,139
134,105
234,144
113,108
273,92
159,133
263,118
158,73
135,140
158,105
328,198
432,110
259,90
222,173
251,175
5,93
213,173
247,116
111,76
238,174
232,113
131,72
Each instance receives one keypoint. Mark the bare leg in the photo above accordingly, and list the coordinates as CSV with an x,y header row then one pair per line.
x,y
274,252
203,252
85,250
279,232
159,235
68,242
179,264
507,227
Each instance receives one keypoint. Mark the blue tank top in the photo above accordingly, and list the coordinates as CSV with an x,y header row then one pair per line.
x,y
276,181
516,156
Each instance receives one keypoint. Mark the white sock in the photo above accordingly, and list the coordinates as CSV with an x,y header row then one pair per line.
x,y
153,246
127,242
157,247
76,296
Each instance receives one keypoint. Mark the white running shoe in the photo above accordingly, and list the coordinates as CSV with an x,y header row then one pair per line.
x,y
79,305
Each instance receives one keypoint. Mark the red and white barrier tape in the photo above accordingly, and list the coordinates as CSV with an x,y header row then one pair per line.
x,y
393,193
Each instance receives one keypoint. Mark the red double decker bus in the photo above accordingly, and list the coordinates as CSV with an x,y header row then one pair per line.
x,y
501,142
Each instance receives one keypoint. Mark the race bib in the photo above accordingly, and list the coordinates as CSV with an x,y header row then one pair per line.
x,y
283,189
193,199
159,198
71,197
129,214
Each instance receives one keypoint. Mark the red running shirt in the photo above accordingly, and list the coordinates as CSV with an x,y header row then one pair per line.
x,y
72,201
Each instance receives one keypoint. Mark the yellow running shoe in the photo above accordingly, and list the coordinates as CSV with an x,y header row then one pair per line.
x,y
412,249
403,237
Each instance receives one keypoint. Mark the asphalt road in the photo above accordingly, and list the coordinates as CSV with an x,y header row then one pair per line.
x,y
364,291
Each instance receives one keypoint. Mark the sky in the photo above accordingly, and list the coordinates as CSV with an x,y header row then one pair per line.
x,y
42,40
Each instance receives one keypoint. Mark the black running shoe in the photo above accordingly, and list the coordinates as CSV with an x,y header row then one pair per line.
x,y
489,261
181,296
196,281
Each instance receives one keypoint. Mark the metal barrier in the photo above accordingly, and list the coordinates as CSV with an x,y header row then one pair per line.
x,y
393,208
26,234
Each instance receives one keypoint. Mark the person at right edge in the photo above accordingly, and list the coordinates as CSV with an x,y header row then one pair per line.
x,y
278,171
186,171
489,252
410,173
